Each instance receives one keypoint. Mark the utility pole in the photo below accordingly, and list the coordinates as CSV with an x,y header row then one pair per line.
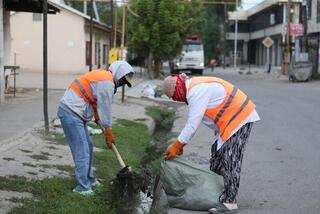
x,y
112,24
287,55
224,35
85,7
91,31
45,66
123,25
115,28
236,37
2,88
122,44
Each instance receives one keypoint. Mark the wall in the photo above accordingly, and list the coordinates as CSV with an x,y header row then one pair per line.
x,y
103,38
66,43
313,25
7,38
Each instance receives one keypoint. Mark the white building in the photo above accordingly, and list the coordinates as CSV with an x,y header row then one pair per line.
x,y
68,41
267,19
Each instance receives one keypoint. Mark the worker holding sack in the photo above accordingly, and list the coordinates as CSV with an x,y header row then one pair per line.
x,y
225,109
88,96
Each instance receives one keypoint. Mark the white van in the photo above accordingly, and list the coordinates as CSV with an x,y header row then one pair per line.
x,y
191,58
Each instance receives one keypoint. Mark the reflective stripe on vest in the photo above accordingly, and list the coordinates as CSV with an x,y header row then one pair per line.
x,y
234,109
81,85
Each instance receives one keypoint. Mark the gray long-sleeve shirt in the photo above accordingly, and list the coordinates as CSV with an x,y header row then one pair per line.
x,y
103,91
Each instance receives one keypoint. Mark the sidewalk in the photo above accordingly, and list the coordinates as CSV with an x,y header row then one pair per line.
x,y
55,81
259,72
24,111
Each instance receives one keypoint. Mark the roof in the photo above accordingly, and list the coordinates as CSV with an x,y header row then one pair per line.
x,y
244,14
34,6
61,5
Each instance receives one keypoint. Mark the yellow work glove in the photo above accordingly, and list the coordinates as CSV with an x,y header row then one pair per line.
x,y
174,149
109,137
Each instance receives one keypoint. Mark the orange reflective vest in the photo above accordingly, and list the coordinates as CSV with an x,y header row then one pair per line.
x,y
81,85
234,109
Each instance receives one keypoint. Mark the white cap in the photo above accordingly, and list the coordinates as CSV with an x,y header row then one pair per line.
x,y
120,69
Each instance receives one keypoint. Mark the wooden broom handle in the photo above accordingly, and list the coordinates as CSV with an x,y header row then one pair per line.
x,y
115,150
120,160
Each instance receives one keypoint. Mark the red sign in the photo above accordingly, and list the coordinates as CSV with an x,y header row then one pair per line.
x,y
296,29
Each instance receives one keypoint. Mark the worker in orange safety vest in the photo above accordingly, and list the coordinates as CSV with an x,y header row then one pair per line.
x,y
88,96
225,109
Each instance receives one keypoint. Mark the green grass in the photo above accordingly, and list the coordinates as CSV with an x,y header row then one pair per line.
x,y
39,157
163,116
54,195
29,164
8,159
51,147
66,168
25,151
57,138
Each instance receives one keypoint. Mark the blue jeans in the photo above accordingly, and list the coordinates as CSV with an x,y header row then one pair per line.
x,y
76,132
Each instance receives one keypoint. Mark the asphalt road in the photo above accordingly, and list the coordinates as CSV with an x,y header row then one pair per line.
x,y
281,172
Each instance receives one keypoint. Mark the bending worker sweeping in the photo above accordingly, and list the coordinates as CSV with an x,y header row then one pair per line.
x,y
90,95
223,108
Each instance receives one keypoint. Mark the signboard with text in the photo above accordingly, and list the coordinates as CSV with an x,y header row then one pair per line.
x,y
296,29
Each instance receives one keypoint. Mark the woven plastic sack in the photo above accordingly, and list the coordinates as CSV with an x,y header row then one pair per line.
x,y
189,187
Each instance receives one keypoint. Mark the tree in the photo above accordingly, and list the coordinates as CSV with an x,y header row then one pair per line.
x,y
214,31
211,33
160,28
102,7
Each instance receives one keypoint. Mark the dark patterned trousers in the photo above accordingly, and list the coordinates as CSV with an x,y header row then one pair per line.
x,y
227,162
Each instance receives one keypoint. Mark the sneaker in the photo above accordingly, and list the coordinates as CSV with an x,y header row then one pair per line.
x,y
84,192
96,183
223,208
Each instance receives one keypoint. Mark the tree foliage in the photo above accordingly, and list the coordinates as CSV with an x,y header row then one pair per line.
x,y
214,31
211,33
161,27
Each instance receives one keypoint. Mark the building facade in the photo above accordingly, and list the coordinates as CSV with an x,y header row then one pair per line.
x,y
68,41
267,19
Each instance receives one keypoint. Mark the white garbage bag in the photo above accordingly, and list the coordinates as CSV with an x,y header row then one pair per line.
x,y
148,91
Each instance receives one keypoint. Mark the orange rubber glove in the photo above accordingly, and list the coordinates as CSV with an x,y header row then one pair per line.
x,y
174,149
109,137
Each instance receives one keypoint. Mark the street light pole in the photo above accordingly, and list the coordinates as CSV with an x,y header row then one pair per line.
x,y
112,24
45,66
1,55
91,31
122,44
236,37
287,54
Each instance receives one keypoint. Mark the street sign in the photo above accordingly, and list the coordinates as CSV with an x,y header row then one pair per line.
x,y
268,42
296,29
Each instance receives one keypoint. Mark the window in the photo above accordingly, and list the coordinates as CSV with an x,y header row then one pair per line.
x,y
309,9
36,17
88,60
97,54
104,54
192,47
318,10
272,19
